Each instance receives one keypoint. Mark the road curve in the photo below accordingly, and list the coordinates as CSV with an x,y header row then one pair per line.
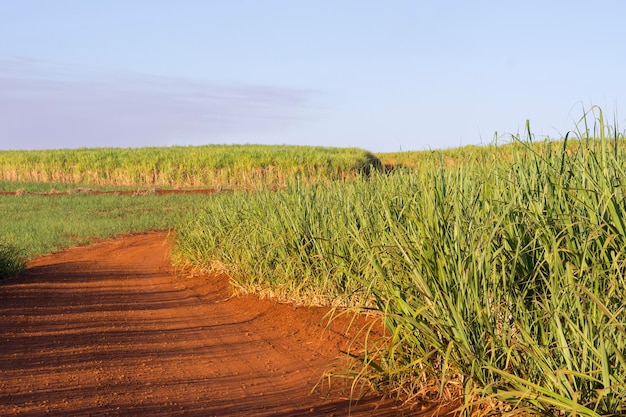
x,y
108,330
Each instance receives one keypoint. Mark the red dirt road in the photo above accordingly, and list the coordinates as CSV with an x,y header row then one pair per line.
x,y
107,329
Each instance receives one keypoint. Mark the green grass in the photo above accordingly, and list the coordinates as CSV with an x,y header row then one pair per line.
x,y
247,166
500,281
42,224
11,261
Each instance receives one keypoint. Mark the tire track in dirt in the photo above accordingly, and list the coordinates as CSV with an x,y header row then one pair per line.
x,y
107,329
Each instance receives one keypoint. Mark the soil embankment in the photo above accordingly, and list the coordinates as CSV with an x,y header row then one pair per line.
x,y
107,329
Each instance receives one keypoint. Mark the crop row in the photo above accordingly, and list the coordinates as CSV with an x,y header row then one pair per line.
x,y
192,166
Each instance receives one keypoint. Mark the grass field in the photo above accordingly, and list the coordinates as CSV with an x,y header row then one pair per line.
x,y
43,224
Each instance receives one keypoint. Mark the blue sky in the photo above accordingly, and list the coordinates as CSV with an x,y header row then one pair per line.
x,y
381,75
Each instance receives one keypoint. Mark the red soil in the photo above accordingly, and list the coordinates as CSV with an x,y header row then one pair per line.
x,y
107,329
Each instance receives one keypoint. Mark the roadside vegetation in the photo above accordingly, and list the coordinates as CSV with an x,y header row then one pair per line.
x,y
240,166
500,280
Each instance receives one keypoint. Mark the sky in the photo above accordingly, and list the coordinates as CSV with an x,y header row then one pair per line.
x,y
386,76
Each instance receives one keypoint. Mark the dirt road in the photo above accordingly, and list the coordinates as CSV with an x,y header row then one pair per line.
x,y
107,329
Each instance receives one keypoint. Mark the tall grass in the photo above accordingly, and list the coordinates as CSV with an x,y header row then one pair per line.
x,y
501,282
509,283
193,166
